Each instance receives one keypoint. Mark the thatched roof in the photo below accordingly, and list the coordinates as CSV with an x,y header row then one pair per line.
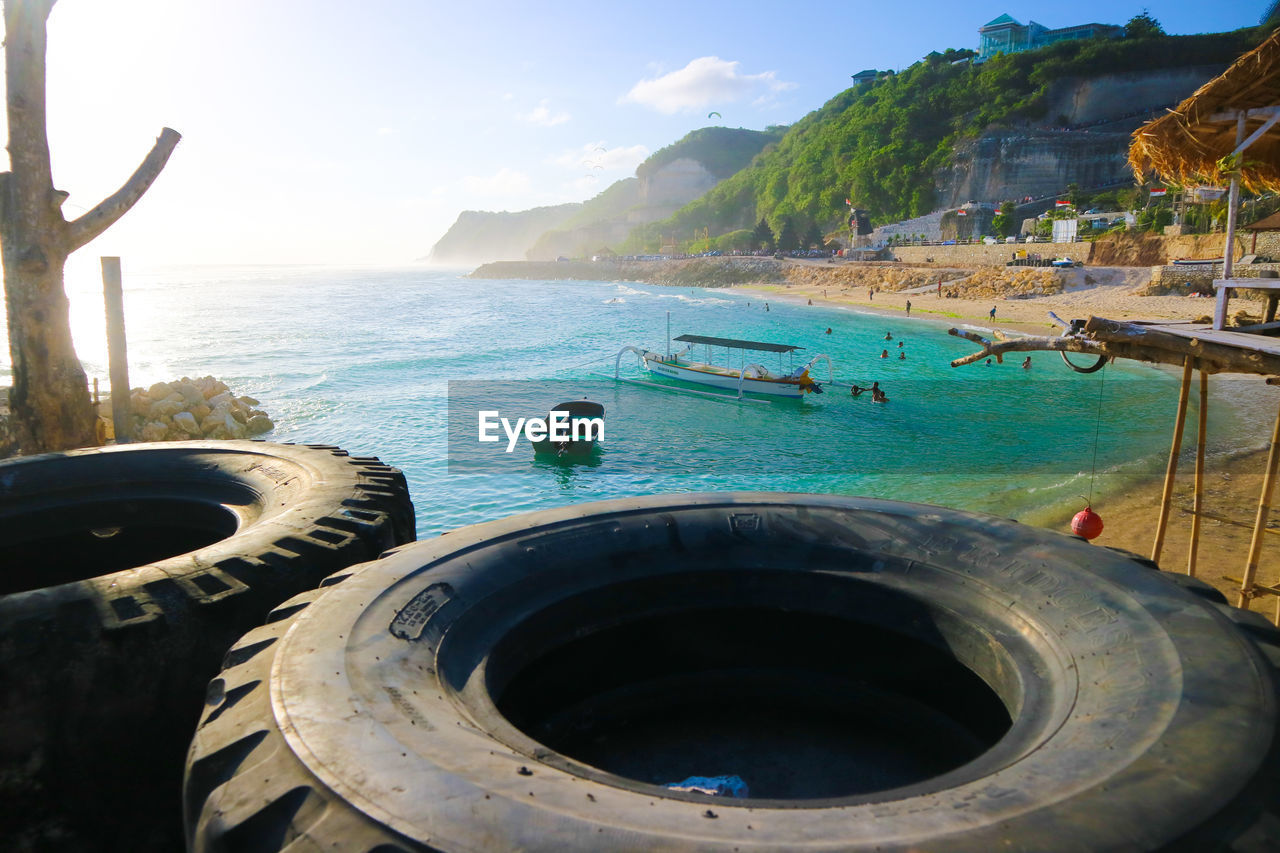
x,y
1271,223
1184,147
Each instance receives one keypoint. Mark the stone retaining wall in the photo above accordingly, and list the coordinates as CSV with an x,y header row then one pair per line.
x,y
983,255
1188,278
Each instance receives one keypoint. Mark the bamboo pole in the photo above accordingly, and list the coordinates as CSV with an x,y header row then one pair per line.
x,y
1166,497
1260,520
117,356
1197,504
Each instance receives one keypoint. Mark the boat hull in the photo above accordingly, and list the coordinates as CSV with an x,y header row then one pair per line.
x,y
727,381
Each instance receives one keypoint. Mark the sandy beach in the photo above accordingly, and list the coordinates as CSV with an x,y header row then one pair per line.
x,y
1234,475
1099,291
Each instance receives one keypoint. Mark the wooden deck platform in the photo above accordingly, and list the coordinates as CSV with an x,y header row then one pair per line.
x,y
1244,341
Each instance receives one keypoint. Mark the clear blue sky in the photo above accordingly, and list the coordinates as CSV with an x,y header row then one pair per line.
x,y
318,131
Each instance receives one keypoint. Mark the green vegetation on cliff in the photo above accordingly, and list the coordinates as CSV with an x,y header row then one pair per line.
x,y
723,151
882,143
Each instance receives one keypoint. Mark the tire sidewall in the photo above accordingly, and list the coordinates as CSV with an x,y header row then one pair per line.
x,y
1131,683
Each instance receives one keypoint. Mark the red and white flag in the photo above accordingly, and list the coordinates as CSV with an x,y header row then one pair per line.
x,y
1156,193
1061,203
962,212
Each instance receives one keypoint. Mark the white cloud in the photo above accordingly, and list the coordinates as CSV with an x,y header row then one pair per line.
x,y
504,182
385,131
543,115
593,154
704,83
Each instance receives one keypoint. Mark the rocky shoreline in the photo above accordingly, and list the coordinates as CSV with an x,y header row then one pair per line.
x,y
687,272
191,409
982,282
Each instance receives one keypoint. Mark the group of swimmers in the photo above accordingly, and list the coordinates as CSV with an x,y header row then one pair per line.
x,y
884,353
877,396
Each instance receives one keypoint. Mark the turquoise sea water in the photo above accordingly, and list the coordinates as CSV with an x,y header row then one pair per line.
x,y
370,359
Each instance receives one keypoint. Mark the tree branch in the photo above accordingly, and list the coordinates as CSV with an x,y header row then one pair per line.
x,y
1118,339
93,223
1029,344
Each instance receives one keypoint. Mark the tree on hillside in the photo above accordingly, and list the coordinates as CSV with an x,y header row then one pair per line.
x,y
1142,25
762,236
812,238
788,240
1002,223
50,397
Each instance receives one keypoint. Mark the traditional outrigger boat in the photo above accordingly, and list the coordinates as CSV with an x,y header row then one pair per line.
x,y
745,378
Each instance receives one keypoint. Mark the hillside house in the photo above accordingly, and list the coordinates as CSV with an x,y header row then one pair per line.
x,y
1008,35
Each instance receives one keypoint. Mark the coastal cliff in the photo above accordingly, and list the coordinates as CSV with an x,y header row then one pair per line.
x,y
656,195
480,235
666,181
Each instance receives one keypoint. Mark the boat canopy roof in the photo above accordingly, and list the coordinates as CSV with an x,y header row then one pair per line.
x,y
736,344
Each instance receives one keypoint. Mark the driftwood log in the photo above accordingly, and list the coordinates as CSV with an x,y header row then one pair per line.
x,y
1117,339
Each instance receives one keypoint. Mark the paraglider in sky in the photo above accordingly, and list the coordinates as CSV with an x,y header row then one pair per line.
x,y
717,115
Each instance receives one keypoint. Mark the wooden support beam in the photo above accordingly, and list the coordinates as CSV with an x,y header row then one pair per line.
x,y
1247,589
1255,114
1197,504
1233,202
117,351
1166,496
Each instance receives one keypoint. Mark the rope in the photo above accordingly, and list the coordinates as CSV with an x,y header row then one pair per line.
x,y
1097,431
589,363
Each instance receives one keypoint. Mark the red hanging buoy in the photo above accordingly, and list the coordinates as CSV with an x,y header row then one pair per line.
x,y
1087,523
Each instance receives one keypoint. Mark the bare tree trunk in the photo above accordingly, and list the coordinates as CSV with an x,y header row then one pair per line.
x,y
49,399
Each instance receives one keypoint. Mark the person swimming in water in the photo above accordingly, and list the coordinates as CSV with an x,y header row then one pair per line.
x,y
884,353
877,396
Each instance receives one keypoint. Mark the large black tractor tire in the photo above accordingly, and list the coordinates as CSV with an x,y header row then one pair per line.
x,y
125,574
883,676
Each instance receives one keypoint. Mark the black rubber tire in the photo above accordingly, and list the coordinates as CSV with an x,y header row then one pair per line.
x,y
125,575
366,717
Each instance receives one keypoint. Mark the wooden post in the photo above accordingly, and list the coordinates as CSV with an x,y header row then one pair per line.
x,y
1233,201
1166,497
117,355
1198,501
1260,520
